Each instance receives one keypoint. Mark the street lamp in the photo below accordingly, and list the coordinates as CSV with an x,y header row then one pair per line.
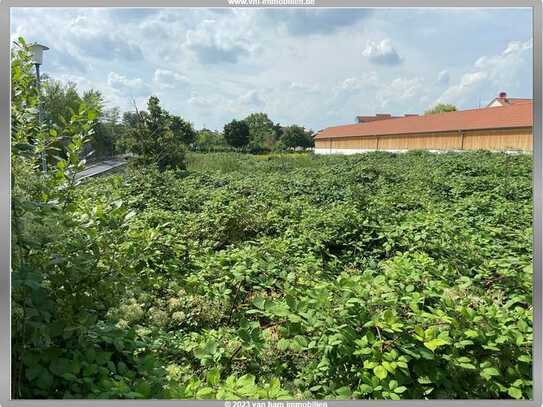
x,y
36,51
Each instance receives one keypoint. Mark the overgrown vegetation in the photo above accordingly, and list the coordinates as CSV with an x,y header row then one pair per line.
x,y
382,276
157,138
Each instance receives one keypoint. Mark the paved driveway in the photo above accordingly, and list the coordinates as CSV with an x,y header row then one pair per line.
x,y
101,167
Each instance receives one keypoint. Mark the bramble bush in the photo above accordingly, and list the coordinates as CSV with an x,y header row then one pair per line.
x,y
383,276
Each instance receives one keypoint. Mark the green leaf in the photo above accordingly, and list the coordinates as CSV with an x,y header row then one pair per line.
x,y
60,366
515,392
344,392
211,346
419,331
259,302
33,372
205,393
394,396
463,359
467,366
470,333
144,388
74,366
380,372
435,343
213,376
390,367
103,357
400,389
525,358
489,372
45,380
69,376
283,344
368,364
365,389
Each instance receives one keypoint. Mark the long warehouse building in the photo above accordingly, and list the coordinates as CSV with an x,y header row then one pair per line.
x,y
504,125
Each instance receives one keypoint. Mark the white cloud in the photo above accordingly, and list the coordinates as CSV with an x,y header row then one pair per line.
x,y
381,53
443,78
200,101
304,87
166,79
96,42
491,74
251,99
367,81
245,103
518,47
401,90
303,22
126,86
221,41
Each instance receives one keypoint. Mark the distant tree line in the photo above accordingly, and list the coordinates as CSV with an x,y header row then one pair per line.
x,y
257,133
441,108
156,136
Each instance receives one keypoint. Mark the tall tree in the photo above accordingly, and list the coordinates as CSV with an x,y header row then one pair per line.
x,y
296,136
262,131
182,130
59,100
107,131
236,133
62,100
152,139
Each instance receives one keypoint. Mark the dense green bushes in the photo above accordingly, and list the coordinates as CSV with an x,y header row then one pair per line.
x,y
375,276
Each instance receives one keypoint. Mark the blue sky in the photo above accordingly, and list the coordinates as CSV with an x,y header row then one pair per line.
x,y
311,67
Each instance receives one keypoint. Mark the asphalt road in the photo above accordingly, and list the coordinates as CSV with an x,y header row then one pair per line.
x,y
101,167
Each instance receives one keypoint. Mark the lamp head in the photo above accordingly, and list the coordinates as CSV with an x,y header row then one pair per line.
x,y
36,51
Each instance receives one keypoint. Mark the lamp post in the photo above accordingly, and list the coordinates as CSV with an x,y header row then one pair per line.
x,y
36,51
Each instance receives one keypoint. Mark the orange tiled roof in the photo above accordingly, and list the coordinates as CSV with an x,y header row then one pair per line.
x,y
517,101
510,116
365,119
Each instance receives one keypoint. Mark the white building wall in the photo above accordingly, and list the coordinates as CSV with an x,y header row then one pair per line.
x,y
349,151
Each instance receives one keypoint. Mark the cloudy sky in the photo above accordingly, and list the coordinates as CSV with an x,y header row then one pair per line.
x,y
311,67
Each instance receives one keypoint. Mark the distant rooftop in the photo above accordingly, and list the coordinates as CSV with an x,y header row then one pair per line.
x,y
501,113
503,100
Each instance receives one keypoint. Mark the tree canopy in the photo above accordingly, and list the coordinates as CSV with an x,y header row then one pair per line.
x,y
236,133
441,108
158,138
209,140
296,136
263,132
182,130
